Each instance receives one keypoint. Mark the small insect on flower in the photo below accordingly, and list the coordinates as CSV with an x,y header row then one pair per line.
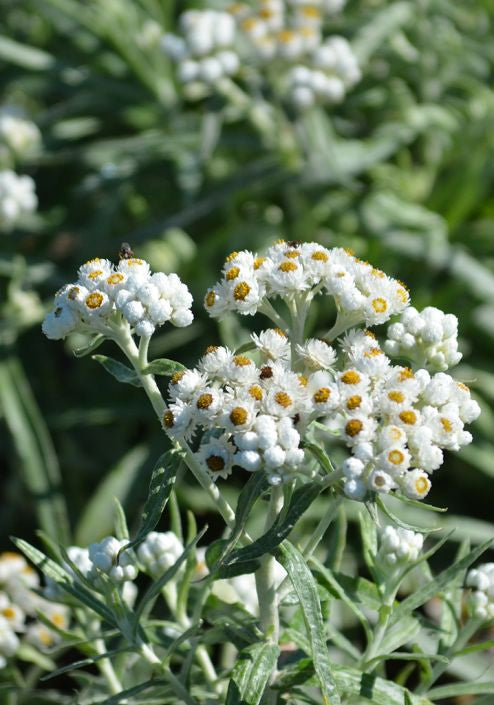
x,y
125,251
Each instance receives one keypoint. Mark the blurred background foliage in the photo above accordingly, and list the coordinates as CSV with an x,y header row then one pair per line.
x,y
402,172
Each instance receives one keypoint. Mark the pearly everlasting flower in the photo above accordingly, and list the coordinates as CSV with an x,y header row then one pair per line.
x,y
129,293
19,135
158,552
9,642
481,599
399,546
17,198
106,561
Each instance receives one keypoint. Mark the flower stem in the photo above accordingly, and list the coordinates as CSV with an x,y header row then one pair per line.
x,y
106,669
265,579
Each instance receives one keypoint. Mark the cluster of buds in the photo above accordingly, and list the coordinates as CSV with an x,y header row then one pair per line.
x,y
104,296
282,41
158,552
399,546
429,337
481,599
204,53
17,198
19,606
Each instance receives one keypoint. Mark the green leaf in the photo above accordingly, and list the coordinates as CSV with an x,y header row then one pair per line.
x,y
439,583
63,579
90,347
28,653
246,347
341,592
399,522
321,456
121,528
420,505
306,588
474,648
160,487
218,551
451,691
25,56
117,369
38,464
373,690
407,656
301,501
164,367
75,665
400,633
251,673
97,519
135,690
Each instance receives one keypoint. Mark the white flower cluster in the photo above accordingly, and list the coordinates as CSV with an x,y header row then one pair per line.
x,y
399,546
204,52
282,39
361,292
428,337
395,421
19,604
17,198
481,600
19,135
104,295
107,561
158,552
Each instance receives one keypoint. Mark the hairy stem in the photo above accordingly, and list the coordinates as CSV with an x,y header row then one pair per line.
x,y
106,669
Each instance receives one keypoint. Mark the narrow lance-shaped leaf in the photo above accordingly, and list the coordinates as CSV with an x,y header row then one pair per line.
x,y
63,579
160,487
117,369
164,367
251,674
301,501
306,588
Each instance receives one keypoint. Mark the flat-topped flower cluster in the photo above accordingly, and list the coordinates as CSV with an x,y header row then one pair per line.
x,y
282,41
257,409
105,294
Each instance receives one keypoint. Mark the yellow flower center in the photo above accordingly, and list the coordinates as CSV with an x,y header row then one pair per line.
x,y
115,278
373,352
215,463
204,401
446,424
232,273
377,273
408,417
310,12
396,396
241,361
210,298
319,256
95,273
241,291
176,377
73,293
322,395
94,300
238,416
256,392
231,256
302,380
283,399
422,485
288,266
258,262
380,305
58,619
168,420
134,262
463,387
8,612
396,457
286,36
292,254
354,402
353,427
350,377
405,373
210,349
280,332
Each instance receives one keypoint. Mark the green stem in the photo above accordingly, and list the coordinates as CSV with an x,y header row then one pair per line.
x,y
380,629
265,576
138,359
106,669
